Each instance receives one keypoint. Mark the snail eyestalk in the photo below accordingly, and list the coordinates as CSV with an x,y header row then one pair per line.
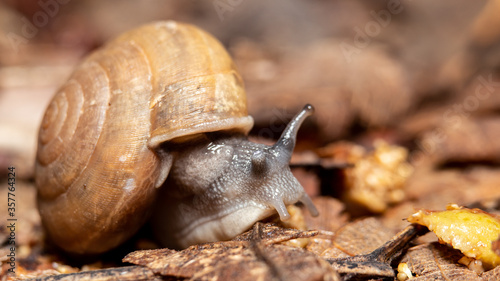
x,y
285,146
286,142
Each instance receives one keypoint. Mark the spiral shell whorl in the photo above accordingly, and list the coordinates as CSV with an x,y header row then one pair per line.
x,y
65,128
98,169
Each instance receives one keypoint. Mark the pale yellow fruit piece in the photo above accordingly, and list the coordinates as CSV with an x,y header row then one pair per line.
x,y
471,231
378,178
404,272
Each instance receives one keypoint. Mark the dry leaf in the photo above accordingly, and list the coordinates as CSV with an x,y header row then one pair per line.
x,y
255,256
492,275
271,233
479,52
360,237
136,273
431,188
437,262
377,263
448,144
332,214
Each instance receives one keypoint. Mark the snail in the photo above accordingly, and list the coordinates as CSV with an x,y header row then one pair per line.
x,y
153,125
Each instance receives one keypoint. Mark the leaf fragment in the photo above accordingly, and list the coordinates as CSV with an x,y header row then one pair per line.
x,y
255,255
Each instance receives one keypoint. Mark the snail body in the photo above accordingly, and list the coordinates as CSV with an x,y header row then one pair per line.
x,y
155,122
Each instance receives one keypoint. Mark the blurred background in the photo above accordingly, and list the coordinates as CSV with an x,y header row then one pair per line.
x,y
421,74
391,69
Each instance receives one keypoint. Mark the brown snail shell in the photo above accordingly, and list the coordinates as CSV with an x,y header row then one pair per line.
x,y
98,166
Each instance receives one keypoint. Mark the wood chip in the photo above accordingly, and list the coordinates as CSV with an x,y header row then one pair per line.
x,y
437,262
362,236
138,273
254,256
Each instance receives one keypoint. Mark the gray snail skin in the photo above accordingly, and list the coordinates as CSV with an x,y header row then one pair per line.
x,y
220,186
154,124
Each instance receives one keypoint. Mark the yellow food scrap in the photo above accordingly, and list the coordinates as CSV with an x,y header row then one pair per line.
x,y
472,264
404,272
471,231
377,179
